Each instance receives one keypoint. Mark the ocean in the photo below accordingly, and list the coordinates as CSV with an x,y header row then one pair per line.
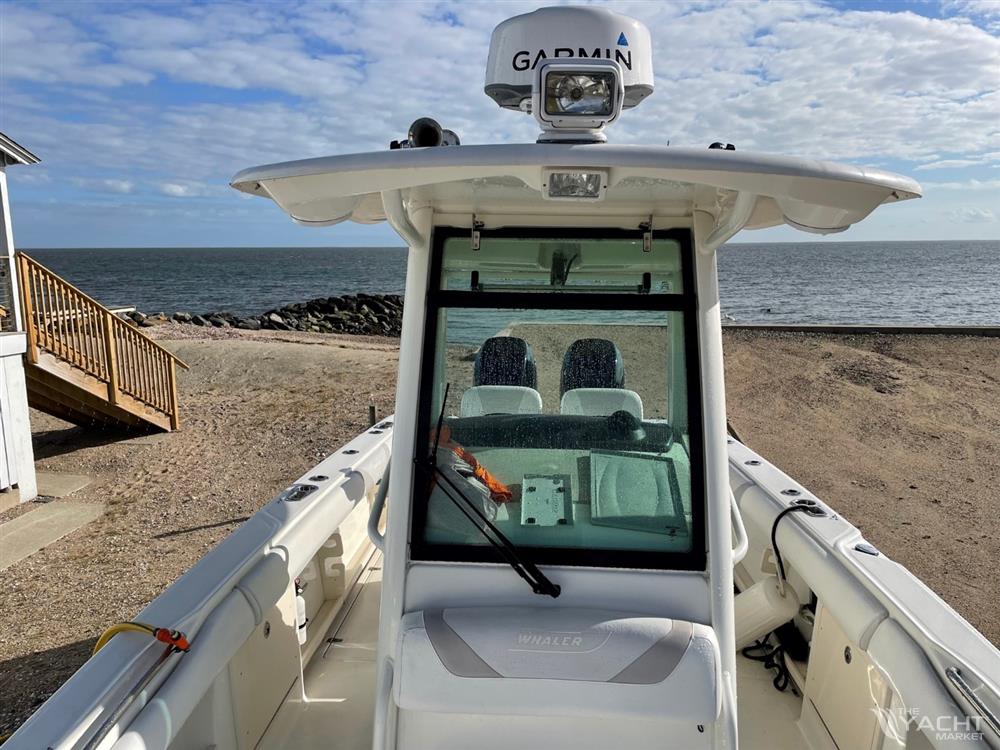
x,y
943,283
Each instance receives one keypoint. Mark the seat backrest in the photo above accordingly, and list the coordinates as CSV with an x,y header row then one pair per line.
x,y
500,399
601,402
592,363
505,360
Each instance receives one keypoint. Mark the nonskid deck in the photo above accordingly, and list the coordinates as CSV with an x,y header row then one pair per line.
x,y
336,707
333,704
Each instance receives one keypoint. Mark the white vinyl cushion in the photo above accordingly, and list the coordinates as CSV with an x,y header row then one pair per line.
x,y
557,662
500,399
600,402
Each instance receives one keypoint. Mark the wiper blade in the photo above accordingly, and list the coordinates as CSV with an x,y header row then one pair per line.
x,y
539,582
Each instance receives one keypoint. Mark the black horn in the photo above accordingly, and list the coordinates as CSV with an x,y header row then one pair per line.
x,y
425,132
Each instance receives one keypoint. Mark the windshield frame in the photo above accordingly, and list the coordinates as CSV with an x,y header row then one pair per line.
x,y
684,302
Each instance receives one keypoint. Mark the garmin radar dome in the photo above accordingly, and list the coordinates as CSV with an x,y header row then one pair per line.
x,y
574,69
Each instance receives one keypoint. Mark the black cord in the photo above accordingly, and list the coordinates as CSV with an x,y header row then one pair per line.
x,y
771,658
774,538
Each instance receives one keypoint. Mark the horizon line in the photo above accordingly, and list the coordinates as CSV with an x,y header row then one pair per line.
x,y
404,247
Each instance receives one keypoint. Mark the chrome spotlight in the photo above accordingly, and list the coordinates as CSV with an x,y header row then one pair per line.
x,y
573,100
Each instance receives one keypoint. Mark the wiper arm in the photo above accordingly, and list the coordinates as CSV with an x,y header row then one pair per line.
x,y
539,582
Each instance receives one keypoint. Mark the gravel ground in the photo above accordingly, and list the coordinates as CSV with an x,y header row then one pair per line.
x,y
258,410
899,433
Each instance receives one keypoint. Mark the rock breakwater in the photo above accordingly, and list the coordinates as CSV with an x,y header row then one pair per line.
x,y
361,314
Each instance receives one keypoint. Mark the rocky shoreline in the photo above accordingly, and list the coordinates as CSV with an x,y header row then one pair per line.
x,y
361,314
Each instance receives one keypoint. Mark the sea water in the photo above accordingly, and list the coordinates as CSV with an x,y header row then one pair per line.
x,y
929,283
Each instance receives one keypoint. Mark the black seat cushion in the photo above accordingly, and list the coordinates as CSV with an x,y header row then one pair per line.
x,y
505,360
592,363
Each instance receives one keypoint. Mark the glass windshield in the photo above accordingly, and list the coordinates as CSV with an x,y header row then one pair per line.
x,y
567,415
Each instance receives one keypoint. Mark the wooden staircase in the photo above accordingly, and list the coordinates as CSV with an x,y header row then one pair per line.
x,y
88,366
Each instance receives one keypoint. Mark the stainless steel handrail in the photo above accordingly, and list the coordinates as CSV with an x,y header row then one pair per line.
x,y
739,530
377,537
954,674
129,699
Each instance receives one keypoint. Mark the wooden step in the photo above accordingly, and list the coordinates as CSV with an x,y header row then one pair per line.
x,y
57,388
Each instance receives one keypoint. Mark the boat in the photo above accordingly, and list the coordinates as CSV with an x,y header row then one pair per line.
x,y
570,549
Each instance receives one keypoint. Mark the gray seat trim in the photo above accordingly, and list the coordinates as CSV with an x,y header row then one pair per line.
x,y
659,660
652,666
455,654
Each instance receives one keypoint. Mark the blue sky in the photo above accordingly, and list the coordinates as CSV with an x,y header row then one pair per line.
x,y
142,112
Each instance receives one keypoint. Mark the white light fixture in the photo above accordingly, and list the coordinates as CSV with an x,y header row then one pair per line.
x,y
573,100
574,184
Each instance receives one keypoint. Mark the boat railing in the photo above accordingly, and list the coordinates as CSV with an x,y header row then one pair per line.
x,y
65,322
216,603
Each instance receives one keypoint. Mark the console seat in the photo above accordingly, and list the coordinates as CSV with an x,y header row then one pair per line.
x,y
601,402
481,400
561,663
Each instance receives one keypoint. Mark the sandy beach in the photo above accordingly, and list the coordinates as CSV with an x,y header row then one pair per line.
x,y
899,433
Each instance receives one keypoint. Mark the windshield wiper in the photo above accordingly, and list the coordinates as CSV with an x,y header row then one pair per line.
x,y
539,582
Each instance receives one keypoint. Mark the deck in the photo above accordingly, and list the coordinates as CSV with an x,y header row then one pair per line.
x,y
333,705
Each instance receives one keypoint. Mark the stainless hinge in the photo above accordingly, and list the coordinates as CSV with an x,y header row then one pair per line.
x,y
647,235
476,227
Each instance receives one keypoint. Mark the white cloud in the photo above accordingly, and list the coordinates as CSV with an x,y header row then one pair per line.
x,y
969,185
949,164
183,189
279,65
972,215
119,186
42,47
986,12
303,80
108,185
29,175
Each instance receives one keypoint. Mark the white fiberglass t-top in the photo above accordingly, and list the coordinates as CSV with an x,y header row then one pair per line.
x,y
560,419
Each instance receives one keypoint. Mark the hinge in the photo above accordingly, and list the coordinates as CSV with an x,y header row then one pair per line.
x,y
647,235
476,227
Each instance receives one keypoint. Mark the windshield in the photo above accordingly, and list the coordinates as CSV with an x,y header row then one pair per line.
x,y
565,362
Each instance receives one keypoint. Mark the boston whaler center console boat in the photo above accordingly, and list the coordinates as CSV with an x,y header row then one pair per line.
x,y
570,551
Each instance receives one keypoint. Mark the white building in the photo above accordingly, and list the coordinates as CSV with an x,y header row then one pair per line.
x,y
17,460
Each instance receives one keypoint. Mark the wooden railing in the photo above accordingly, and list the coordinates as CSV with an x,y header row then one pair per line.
x,y
62,320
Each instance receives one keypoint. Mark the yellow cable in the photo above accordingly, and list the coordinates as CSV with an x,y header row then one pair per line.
x,y
122,627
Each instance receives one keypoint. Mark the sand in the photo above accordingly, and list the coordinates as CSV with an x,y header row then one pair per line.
x,y
258,409
899,433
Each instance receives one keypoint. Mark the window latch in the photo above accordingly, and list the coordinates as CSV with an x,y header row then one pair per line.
x,y
476,227
647,235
